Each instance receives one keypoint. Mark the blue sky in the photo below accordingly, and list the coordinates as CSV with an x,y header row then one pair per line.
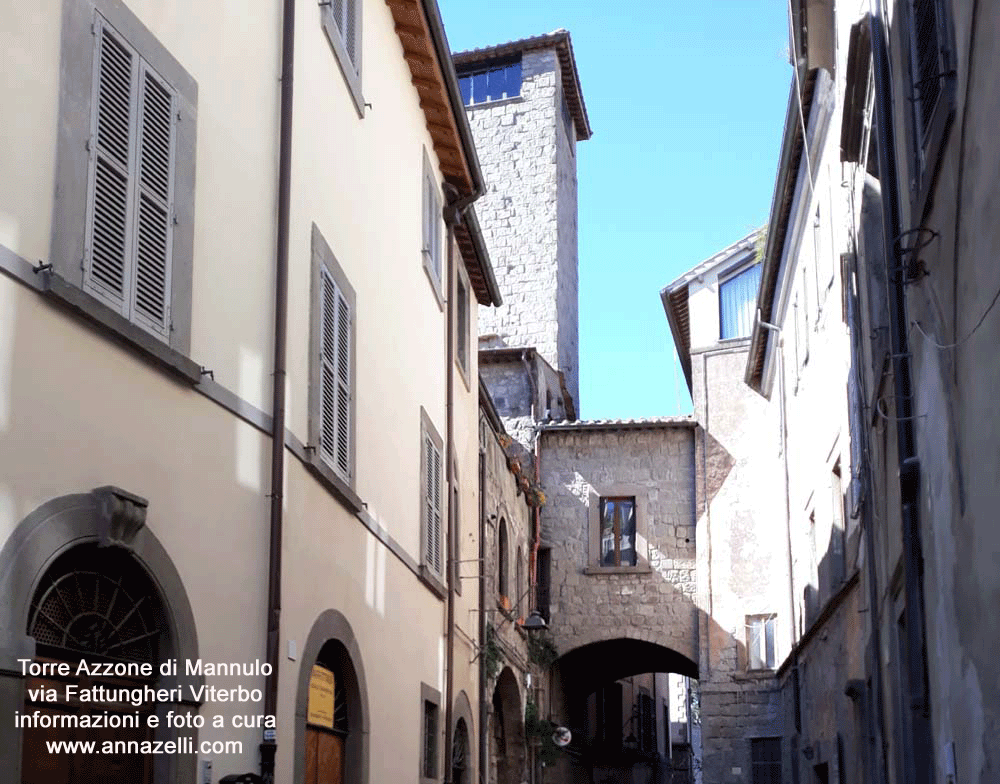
x,y
687,102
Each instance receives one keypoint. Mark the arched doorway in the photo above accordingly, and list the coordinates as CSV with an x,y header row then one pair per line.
x,y
100,533
331,714
507,741
96,605
460,754
327,721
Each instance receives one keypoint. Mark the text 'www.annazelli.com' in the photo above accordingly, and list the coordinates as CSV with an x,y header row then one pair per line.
x,y
179,746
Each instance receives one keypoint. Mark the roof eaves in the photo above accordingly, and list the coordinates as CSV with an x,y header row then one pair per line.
x,y
790,161
620,424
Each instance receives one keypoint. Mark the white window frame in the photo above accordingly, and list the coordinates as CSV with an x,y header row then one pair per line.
x,y
756,634
729,278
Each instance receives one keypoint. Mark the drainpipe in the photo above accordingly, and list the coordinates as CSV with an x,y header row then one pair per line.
x,y
482,617
268,746
452,215
909,464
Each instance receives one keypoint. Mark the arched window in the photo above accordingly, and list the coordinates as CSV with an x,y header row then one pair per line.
x,y
502,567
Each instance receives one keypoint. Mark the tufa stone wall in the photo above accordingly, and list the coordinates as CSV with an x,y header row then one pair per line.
x,y
590,603
528,215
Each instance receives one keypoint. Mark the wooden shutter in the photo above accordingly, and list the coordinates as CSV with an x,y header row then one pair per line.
x,y
153,236
335,377
343,386
432,504
107,266
129,224
350,30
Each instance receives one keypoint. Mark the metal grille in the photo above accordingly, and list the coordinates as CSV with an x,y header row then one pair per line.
x,y
928,59
460,753
98,602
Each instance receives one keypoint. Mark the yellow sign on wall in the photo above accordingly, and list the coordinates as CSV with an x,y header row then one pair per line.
x,y
321,685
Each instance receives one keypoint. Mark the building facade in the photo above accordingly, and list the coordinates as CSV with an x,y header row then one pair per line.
x,y
178,229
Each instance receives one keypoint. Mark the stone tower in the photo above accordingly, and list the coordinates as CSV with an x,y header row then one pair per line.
x,y
527,113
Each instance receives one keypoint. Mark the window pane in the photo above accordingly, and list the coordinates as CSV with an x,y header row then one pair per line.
x,y
607,533
626,511
479,88
497,80
737,302
769,642
753,645
513,79
465,85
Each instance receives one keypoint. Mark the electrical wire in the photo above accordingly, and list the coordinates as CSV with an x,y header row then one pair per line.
x,y
972,332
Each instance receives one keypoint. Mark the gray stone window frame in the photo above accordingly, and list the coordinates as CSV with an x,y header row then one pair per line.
x,y
350,70
430,576
463,359
430,695
641,527
110,517
432,256
69,219
323,258
332,625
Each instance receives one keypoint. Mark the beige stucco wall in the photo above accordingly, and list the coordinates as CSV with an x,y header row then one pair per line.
x,y
77,411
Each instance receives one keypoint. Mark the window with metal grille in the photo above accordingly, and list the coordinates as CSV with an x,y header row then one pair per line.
x,y
932,92
765,760
429,770
496,82
617,534
737,303
129,231
760,642
332,382
97,602
432,498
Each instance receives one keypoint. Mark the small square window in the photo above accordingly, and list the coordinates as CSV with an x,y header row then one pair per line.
x,y
617,534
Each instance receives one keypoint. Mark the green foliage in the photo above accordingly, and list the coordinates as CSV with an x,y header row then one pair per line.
x,y
540,730
541,650
491,653
760,246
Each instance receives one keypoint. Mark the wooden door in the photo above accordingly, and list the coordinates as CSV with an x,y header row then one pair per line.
x,y
39,766
324,757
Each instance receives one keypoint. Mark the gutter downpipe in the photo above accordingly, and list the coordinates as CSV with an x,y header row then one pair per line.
x,y
481,736
452,215
920,751
792,639
269,746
